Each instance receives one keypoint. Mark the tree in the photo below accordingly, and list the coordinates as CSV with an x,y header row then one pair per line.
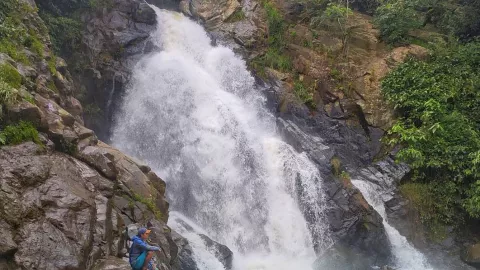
x,y
395,19
337,13
438,103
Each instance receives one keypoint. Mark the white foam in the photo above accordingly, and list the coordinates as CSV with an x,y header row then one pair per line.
x,y
194,114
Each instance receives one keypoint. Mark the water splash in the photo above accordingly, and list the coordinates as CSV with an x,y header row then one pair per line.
x,y
194,114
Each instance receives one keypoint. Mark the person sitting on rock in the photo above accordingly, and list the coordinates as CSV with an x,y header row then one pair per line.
x,y
141,253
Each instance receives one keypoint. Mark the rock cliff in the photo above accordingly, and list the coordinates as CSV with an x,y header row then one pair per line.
x,y
66,198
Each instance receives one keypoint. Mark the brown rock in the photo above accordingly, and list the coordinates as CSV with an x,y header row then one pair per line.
x,y
26,111
471,255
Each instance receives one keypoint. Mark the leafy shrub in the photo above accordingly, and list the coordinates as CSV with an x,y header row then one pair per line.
x,y
430,200
10,48
10,75
276,27
52,65
304,93
274,59
150,204
438,102
16,134
65,33
6,6
34,44
8,94
395,19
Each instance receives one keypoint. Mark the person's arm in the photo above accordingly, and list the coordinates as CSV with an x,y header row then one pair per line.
x,y
144,246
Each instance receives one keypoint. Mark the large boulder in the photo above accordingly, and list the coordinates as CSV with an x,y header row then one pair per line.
x,y
211,12
59,213
471,255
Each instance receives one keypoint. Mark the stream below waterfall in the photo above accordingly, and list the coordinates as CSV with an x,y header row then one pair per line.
x,y
195,115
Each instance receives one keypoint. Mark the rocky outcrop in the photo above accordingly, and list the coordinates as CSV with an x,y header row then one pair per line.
x,y
114,35
386,175
221,252
66,199
471,255
212,13
354,225
58,213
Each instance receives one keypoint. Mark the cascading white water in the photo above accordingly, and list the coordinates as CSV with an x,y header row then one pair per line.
x,y
406,256
194,114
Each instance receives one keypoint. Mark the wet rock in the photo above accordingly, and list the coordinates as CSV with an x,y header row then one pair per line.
x,y
185,253
113,41
221,252
112,263
99,159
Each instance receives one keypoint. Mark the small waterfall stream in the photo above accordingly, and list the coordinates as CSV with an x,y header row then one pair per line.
x,y
406,256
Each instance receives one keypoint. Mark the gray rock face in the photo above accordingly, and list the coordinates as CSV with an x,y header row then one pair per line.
x,y
113,40
59,213
185,254
354,224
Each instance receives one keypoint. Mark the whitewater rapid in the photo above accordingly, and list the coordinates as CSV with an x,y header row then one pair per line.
x,y
194,114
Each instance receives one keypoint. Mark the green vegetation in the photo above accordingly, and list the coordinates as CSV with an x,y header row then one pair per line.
x,y
65,32
8,95
424,199
92,110
150,203
336,13
66,147
34,44
396,18
16,134
304,93
6,6
62,18
345,175
15,34
10,75
277,57
336,166
10,81
52,65
438,103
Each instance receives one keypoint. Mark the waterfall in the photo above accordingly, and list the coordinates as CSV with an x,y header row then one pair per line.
x,y
194,114
406,256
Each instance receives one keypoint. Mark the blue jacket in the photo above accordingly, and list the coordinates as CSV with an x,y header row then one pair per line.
x,y
138,247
